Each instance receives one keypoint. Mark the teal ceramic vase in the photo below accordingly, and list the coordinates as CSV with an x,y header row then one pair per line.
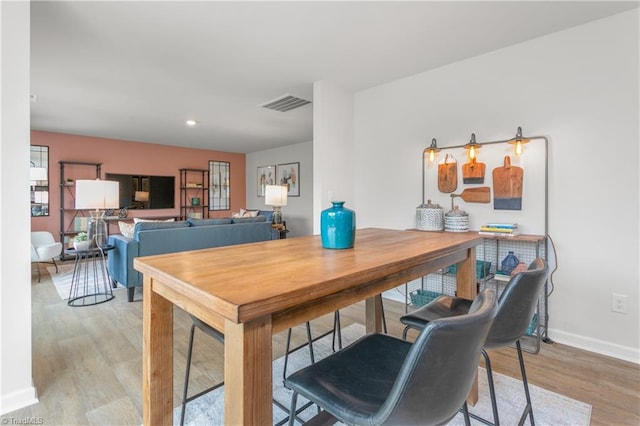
x,y
338,226
509,263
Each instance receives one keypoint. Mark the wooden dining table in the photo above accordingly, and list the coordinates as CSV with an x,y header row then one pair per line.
x,y
252,291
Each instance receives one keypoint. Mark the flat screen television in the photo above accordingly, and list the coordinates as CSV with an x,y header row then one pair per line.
x,y
153,192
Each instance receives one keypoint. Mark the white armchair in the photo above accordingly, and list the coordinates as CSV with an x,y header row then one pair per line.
x,y
44,249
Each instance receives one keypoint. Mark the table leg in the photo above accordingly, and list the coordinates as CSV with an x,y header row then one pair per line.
x,y
373,314
248,373
157,357
467,287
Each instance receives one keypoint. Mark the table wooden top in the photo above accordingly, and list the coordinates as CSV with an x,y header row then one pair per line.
x,y
244,282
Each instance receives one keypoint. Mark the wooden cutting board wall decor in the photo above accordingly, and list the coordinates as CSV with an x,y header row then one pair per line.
x,y
473,172
507,186
481,194
448,175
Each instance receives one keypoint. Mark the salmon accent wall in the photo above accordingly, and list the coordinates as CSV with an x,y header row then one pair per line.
x,y
137,158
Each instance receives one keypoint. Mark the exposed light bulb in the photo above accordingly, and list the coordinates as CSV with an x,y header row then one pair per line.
x,y
472,152
472,146
517,142
432,155
190,122
518,148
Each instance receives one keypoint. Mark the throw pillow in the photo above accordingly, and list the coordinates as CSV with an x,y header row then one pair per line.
x,y
249,213
266,213
126,229
150,225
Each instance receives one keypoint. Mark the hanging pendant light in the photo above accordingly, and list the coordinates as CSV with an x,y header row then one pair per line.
x,y
432,150
472,146
518,141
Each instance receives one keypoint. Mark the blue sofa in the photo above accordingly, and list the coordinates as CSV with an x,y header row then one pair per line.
x,y
151,238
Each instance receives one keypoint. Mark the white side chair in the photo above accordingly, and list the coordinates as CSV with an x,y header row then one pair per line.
x,y
44,249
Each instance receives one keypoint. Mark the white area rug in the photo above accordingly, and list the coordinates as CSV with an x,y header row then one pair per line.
x,y
549,408
62,279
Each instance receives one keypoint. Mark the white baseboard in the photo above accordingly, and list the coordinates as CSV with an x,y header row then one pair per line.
x,y
19,399
601,347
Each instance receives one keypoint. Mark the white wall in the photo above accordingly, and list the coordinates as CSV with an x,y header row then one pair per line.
x,y
333,172
298,211
579,88
17,389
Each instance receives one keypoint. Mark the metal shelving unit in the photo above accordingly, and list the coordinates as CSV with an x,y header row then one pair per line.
x,y
194,183
494,249
68,212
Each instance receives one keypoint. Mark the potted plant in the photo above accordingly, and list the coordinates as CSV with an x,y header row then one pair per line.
x,y
81,241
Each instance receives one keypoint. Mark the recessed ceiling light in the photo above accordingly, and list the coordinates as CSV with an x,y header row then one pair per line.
x,y
190,122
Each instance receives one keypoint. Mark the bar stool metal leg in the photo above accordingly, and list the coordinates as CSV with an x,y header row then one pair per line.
x,y
186,374
528,409
492,389
336,332
384,319
288,349
209,331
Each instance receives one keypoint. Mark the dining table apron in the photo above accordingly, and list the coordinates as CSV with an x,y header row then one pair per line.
x,y
251,291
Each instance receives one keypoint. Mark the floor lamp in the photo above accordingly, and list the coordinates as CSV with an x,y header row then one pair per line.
x,y
99,195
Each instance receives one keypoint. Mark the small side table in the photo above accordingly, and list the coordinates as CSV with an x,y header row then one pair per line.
x,y
91,282
281,230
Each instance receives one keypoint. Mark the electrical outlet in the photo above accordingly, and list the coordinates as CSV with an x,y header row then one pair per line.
x,y
619,303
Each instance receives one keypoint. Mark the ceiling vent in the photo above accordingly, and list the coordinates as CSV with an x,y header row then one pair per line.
x,y
285,103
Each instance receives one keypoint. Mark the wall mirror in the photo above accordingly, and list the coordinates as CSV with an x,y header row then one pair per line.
x,y
219,187
39,180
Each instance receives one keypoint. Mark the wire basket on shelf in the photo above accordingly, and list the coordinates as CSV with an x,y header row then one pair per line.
x,y
482,268
421,297
533,326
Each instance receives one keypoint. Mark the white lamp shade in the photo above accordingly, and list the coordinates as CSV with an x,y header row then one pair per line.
x,y
141,196
37,173
41,197
275,195
97,194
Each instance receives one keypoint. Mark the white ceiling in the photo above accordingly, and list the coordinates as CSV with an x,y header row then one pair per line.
x,y
137,70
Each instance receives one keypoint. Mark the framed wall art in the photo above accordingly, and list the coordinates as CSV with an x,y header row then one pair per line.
x,y
289,175
266,176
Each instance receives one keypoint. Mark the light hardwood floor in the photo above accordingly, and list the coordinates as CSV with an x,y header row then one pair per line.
x,y
87,364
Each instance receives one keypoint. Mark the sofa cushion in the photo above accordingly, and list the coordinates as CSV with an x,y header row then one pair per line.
x,y
152,225
246,213
126,228
266,213
140,219
207,222
249,219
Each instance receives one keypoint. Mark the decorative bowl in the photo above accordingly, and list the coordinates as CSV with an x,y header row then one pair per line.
x,y
81,245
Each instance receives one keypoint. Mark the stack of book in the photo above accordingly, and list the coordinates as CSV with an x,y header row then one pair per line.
x,y
501,276
500,229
